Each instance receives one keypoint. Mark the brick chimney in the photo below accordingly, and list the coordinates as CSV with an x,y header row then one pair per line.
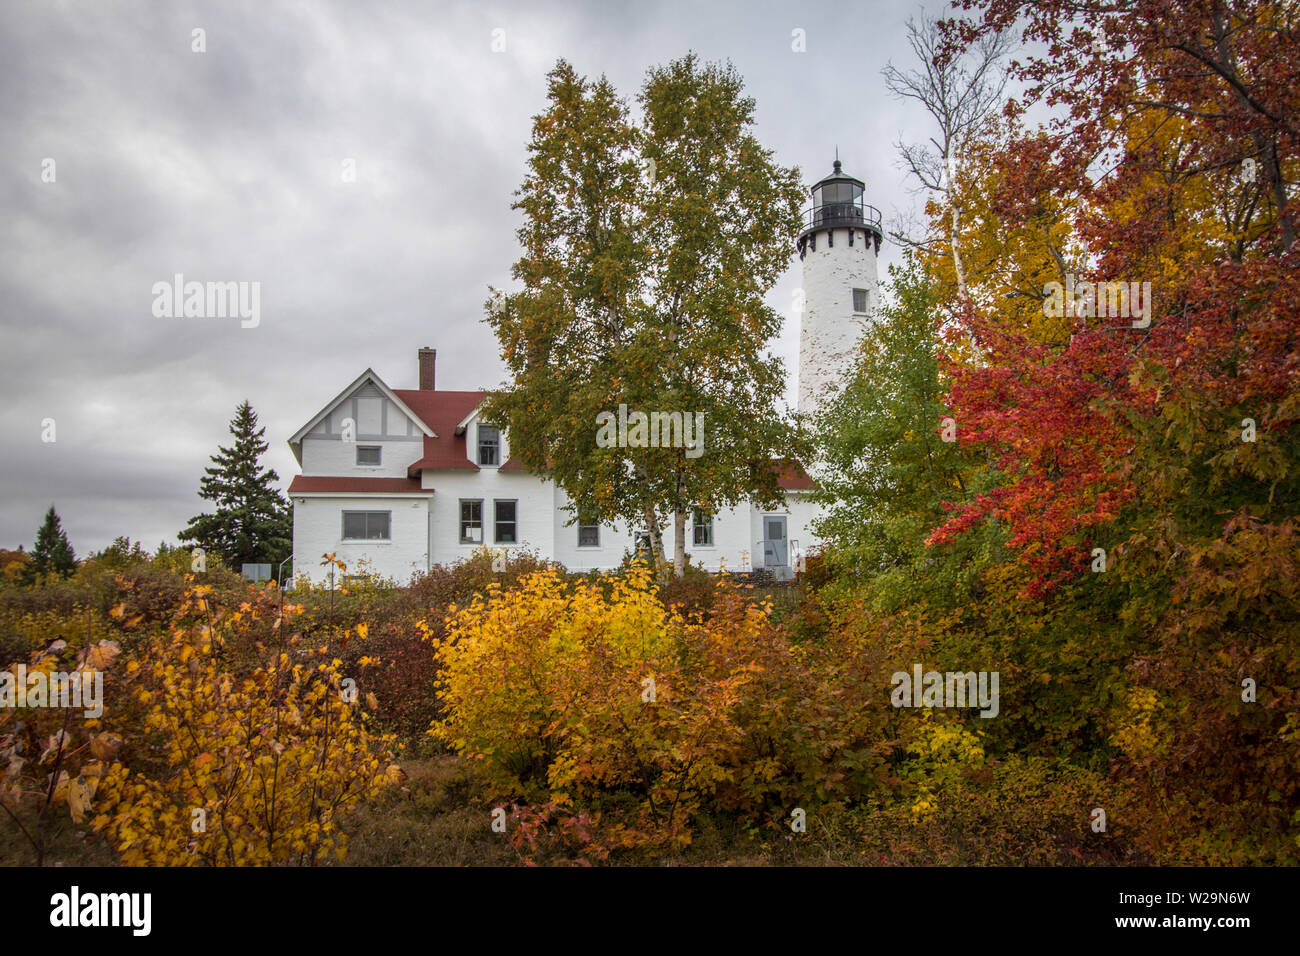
x,y
427,358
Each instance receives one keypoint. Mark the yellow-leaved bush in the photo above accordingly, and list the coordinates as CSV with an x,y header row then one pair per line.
x,y
594,698
942,751
258,757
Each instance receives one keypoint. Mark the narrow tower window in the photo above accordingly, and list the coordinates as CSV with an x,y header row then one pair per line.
x,y
860,300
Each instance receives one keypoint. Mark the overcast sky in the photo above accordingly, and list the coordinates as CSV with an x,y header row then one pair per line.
x,y
227,165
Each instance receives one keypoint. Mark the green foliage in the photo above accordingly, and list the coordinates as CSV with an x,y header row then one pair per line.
x,y
888,470
252,521
121,554
647,254
53,553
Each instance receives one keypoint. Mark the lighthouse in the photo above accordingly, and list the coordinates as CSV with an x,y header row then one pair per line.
x,y
838,246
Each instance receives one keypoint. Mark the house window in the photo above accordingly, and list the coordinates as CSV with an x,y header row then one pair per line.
x,y
589,536
369,454
367,525
859,300
504,522
703,522
471,522
489,445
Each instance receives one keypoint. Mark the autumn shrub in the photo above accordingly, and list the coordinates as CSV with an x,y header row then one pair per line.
x,y
692,593
155,588
603,700
816,572
402,677
53,756
254,763
368,617
444,585
154,593
1209,734
1020,811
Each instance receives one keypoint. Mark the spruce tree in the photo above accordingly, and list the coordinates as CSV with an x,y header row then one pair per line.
x,y
252,522
53,553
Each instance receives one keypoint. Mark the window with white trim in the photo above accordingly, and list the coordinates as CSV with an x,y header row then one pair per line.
x,y
369,454
703,528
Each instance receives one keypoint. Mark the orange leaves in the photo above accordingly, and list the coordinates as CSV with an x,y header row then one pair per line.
x,y
118,613
105,746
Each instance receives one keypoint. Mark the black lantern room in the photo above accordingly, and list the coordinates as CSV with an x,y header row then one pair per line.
x,y
838,204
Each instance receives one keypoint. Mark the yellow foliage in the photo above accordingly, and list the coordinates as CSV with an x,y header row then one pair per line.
x,y
589,694
941,752
259,765
1135,733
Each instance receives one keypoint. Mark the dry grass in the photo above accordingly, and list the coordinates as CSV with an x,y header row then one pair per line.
x,y
67,843
435,819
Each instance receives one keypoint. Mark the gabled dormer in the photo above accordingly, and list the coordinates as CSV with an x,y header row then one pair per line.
x,y
486,445
366,430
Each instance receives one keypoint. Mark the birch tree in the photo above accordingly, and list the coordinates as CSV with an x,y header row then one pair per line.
x,y
648,248
960,89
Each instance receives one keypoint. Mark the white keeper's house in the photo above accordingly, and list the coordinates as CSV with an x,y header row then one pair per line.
x,y
397,480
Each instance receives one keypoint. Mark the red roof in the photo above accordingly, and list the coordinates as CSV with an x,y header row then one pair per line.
x,y
326,483
441,411
791,475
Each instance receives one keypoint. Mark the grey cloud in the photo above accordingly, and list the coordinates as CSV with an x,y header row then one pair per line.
x,y
226,166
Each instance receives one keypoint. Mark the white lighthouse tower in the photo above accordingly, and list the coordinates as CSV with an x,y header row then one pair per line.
x,y
838,246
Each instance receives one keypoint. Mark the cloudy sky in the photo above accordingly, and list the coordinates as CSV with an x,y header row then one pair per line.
x,y
228,165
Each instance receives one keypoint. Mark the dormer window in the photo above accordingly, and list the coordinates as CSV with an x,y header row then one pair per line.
x,y
489,445
369,454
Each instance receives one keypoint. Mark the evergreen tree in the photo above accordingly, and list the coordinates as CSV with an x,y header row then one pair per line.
x,y
53,553
252,522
